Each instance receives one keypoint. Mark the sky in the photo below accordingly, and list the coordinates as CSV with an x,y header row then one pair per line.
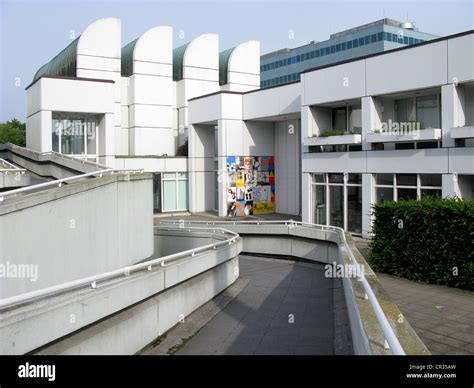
x,y
34,31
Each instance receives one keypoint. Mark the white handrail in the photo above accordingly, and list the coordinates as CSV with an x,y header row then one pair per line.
x,y
387,329
59,182
125,271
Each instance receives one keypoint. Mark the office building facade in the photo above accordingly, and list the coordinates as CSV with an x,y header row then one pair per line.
x,y
285,65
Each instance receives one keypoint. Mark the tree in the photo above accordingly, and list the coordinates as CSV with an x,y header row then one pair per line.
x,y
13,131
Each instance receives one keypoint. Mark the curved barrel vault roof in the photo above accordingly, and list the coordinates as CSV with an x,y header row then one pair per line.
x,y
154,45
244,58
201,52
100,38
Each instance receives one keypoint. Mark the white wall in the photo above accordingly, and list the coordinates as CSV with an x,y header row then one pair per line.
x,y
77,230
287,166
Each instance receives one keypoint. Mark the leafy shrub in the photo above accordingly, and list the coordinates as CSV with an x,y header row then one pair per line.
x,y
425,240
334,132
13,131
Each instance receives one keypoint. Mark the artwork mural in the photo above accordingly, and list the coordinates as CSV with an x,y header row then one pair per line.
x,y
250,185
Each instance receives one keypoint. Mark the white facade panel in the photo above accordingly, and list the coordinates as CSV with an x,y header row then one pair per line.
x,y
335,83
98,63
272,102
77,96
153,90
156,116
461,59
414,68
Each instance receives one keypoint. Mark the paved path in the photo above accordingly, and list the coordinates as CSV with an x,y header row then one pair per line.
x,y
443,317
286,308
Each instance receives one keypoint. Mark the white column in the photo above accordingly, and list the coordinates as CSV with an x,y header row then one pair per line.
x,y
306,215
371,118
450,185
367,201
452,112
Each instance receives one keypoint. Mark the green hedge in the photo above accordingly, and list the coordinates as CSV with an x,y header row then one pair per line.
x,y
425,240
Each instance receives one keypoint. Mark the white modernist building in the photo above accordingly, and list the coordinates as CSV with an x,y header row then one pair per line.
x,y
393,125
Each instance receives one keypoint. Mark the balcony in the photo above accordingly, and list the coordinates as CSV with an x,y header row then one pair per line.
x,y
466,132
428,134
333,137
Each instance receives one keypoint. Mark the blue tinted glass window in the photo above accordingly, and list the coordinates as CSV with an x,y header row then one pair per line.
x,y
405,39
333,49
373,38
321,53
312,54
389,36
361,41
349,44
316,53
355,43
338,48
394,38
307,56
410,40
343,46
380,36
328,50
367,39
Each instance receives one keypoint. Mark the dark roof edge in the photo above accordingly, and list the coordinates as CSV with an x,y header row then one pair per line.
x,y
437,40
71,79
214,94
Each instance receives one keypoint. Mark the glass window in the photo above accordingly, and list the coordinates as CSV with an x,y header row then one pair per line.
x,y
384,179
91,138
336,206
428,111
349,44
380,36
430,180
373,38
328,50
182,194
157,193
361,41
319,204
384,194
431,192
343,46
403,193
333,49
317,53
354,209
406,179
169,195
355,43
338,48
339,120
55,133
318,178
336,178
367,39
307,56
355,119
355,179
410,40
405,39
389,36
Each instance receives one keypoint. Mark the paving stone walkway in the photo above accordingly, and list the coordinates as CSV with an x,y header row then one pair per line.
x,y
443,317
